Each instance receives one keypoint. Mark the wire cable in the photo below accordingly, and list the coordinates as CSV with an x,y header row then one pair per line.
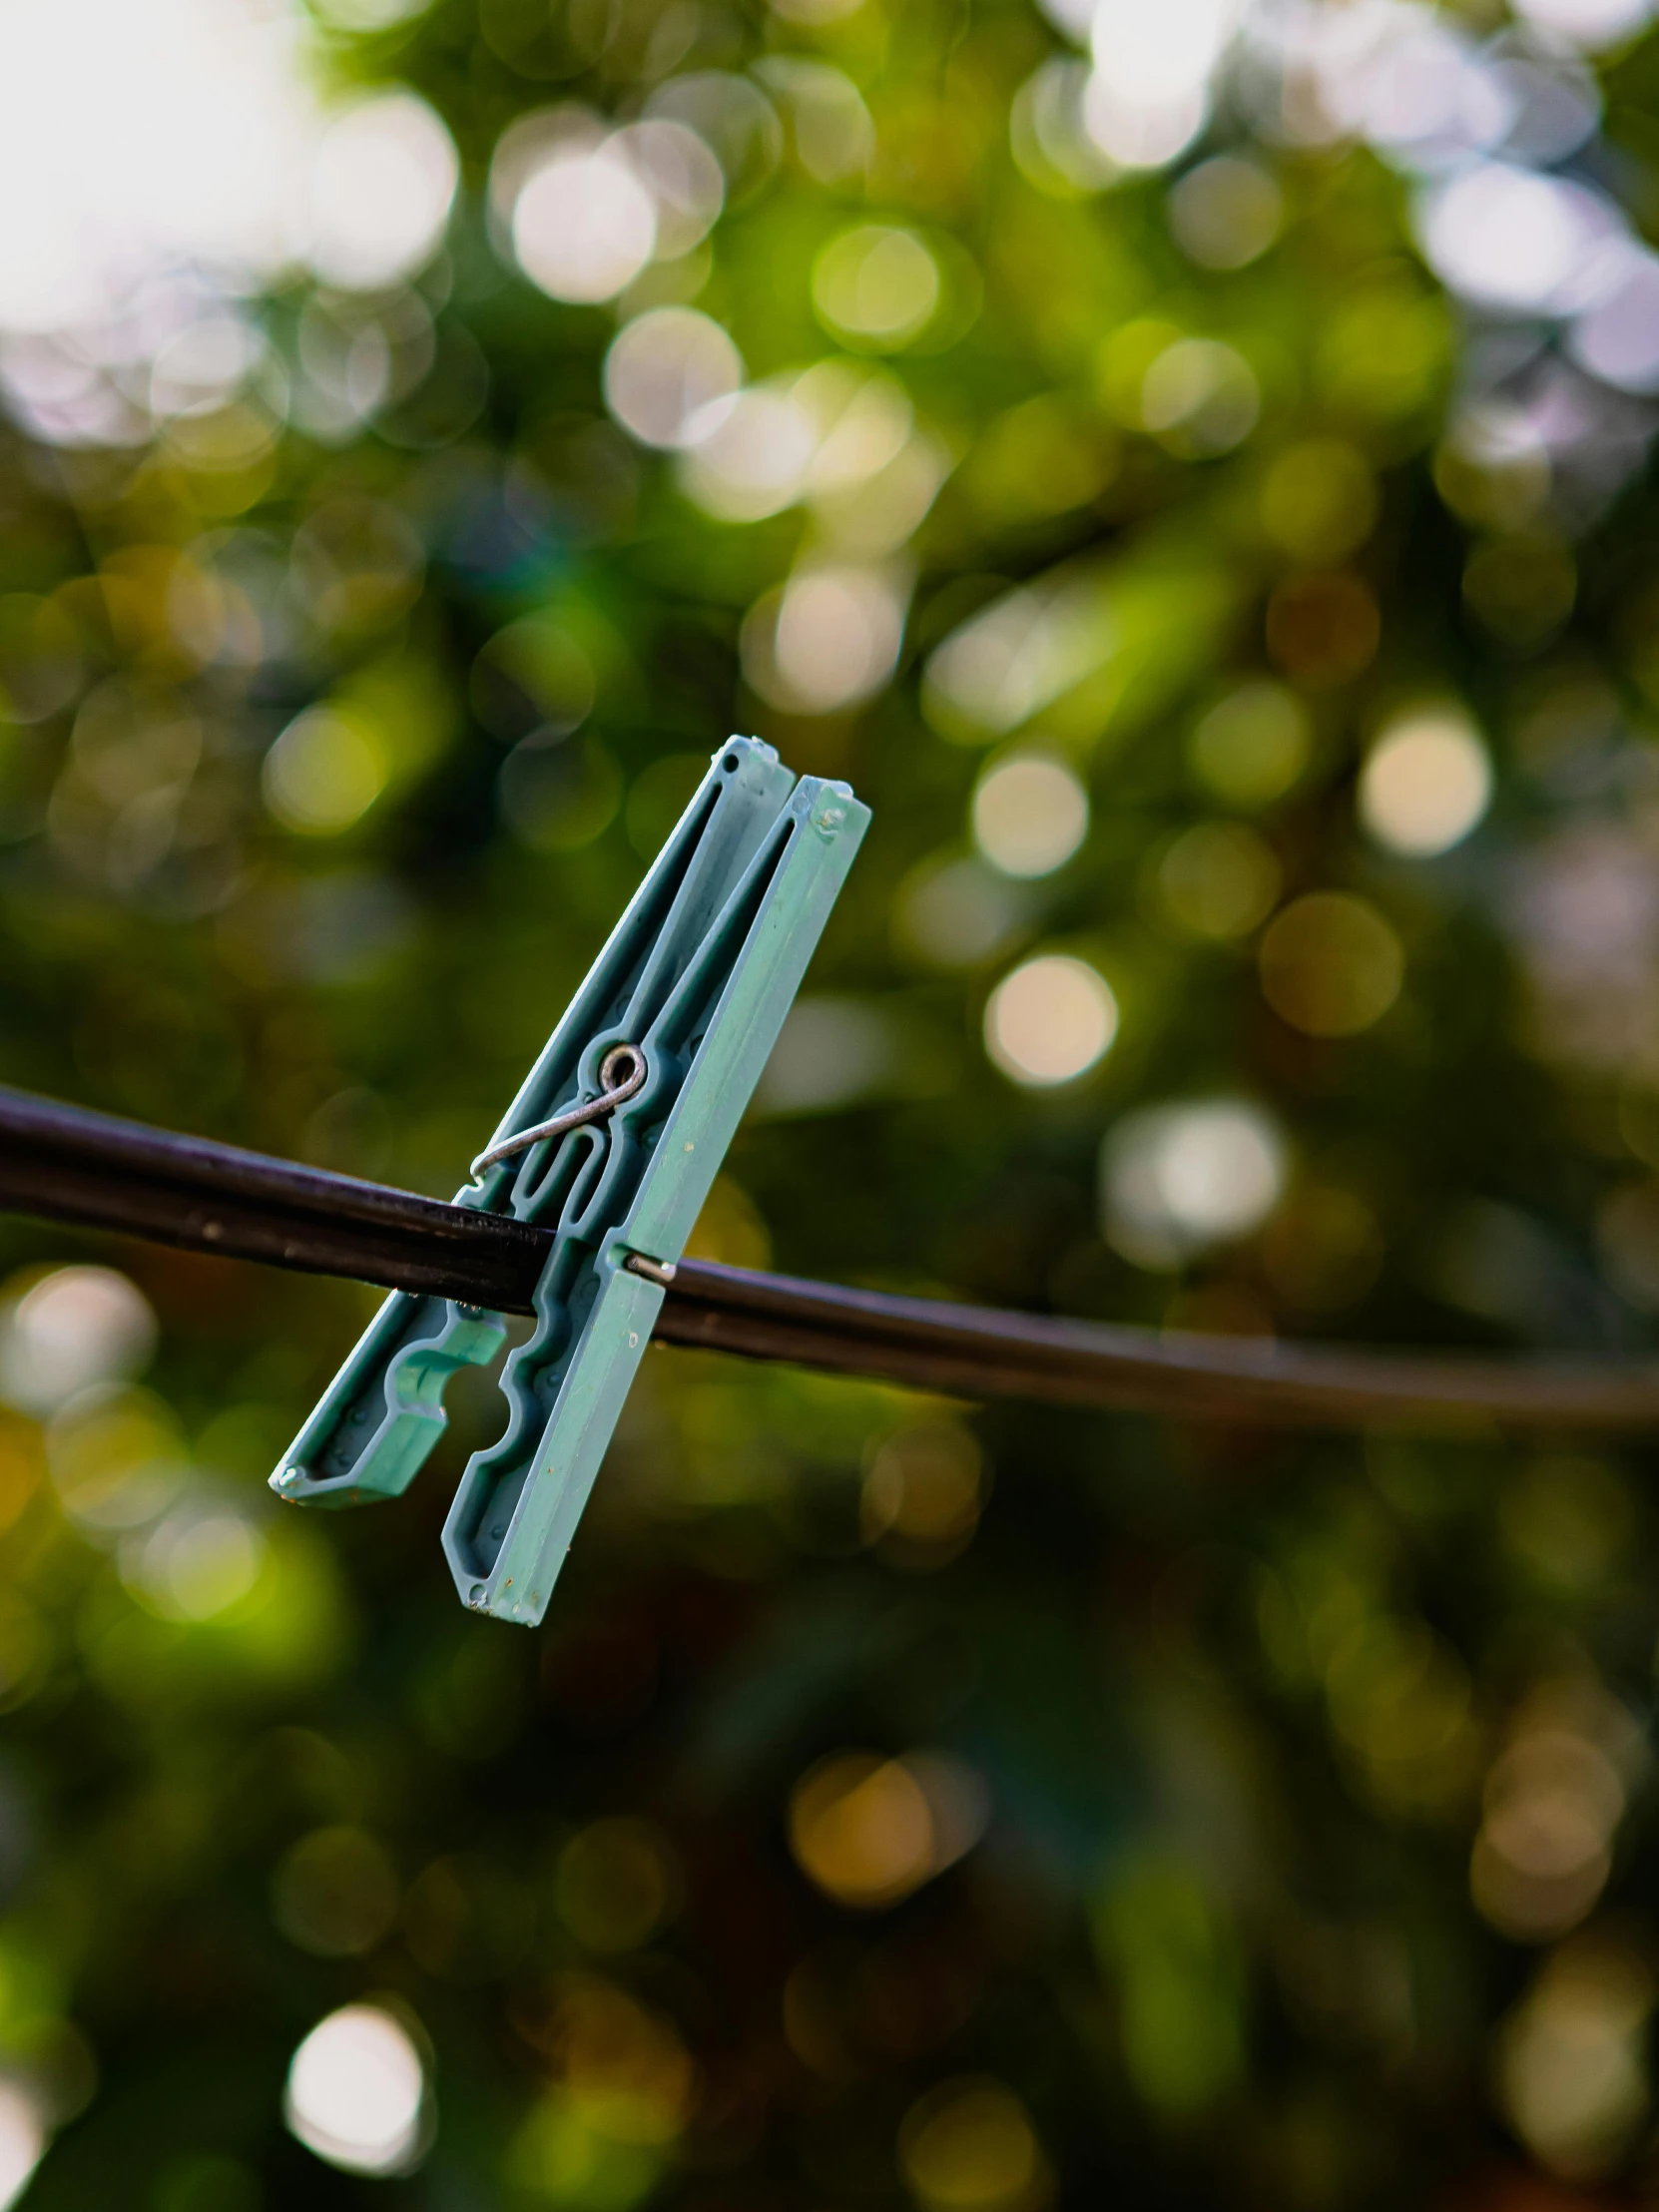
x,y
64,1163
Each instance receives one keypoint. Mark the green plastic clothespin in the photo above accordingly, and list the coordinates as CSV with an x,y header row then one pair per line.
x,y
613,1141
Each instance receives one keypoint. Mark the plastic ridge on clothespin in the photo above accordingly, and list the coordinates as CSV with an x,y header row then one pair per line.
x,y
612,1142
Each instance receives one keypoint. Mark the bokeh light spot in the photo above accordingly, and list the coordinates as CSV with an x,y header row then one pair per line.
x,y
877,286
1134,133
1030,813
1541,1857
969,2146
1050,1021
335,1893
615,1884
955,913
1509,239
325,771
68,1329
1617,339
1044,457
867,1829
584,225
382,183
198,1563
559,794
532,677
116,1459
1424,785
1252,744
1050,135
748,458
356,2092
664,368
922,1494
1219,879
1331,964
1199,397
835,136
861,1828
1571,2072
1553,1798
622,2093
1149,91
831,1051
22,2139
1177,1179
829,641
683,178
1226,212
1319,500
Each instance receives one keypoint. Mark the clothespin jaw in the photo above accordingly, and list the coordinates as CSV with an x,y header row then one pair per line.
x,y
613,1142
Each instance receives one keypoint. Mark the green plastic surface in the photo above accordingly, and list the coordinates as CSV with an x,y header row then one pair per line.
x,y
698,975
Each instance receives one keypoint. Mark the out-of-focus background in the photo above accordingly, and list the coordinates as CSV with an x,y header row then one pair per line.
x,y
1188,465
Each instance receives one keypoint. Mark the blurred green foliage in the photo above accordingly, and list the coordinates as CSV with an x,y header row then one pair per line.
x,y
903,1805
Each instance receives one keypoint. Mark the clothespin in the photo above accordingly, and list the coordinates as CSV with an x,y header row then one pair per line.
x,y
613,1142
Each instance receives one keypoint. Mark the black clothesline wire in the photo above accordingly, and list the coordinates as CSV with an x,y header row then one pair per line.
x,y
64,1163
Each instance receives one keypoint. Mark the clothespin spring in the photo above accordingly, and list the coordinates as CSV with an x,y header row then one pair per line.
x,y
622,1071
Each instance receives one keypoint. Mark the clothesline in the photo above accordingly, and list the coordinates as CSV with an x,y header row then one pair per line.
x,y
64,1163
